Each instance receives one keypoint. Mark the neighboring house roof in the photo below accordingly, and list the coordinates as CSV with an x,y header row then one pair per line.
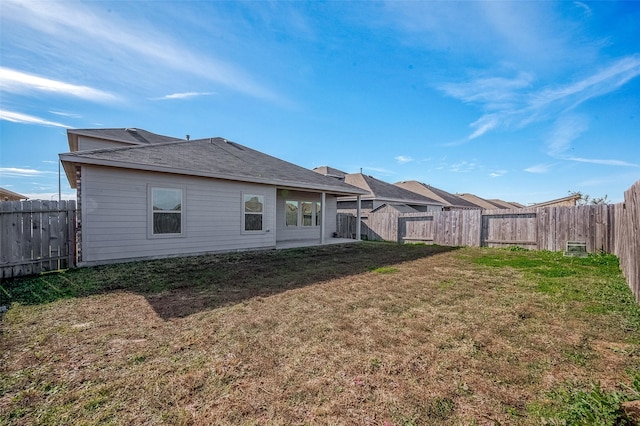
x,y
379,190
129,135
571,200
435,193
214,158
505,204
330,171
399,207
6,195
480,202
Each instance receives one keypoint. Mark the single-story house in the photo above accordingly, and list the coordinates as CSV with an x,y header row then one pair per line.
x,y
378,193
6,195
163,198
450,201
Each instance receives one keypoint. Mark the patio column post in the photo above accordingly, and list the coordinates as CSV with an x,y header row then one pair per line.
x,y
323,216
358,218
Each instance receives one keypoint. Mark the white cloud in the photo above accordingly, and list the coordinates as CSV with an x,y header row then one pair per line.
x,y
19,82
49,195
507,106
18,172
586,9
538,168
403,159
16,117
184,95
497,173
493,92
463,167
379,170
127,46
483,125
603,162
566,130
66,114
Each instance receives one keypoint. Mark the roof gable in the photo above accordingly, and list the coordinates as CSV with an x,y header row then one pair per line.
x,y
213,157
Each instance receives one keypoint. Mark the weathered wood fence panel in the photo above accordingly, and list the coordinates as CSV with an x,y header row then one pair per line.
x,y
509,227
627,237
36,236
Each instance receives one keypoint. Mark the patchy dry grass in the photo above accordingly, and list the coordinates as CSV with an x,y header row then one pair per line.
x,y
372,334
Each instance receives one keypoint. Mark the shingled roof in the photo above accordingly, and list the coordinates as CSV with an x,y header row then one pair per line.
x,y
128,135
213,157
380,190
6,195
437,194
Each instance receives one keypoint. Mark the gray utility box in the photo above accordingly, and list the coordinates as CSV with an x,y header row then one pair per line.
x,y
576,249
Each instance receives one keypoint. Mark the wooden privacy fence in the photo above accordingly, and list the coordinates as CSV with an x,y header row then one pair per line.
x,y
627,237
36,236
609,228
547,228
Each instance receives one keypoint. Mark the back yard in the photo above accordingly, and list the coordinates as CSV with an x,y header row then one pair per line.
x,y
369,334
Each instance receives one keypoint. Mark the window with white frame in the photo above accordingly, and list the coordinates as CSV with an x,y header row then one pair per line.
x,y
166,211
253,206
302,213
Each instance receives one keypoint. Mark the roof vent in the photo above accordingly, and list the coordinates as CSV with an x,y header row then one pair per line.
x,y
188,137
132,130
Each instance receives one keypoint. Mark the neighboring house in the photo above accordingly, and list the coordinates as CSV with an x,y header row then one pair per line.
x,y
450,201
570,201
378,194
483,203
6,195
179,197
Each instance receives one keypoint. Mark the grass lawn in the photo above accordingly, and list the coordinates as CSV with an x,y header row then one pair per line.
x,y
367,334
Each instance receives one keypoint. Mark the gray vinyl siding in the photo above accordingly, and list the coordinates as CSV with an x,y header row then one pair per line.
x,y
116,215
288,233
85,144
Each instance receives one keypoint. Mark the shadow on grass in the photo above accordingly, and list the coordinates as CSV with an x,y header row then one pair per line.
x,y
180,287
